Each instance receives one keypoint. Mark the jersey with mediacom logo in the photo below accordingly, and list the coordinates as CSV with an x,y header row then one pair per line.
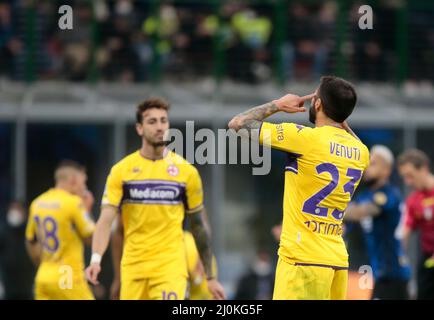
x,y
324,167
386,255
153,197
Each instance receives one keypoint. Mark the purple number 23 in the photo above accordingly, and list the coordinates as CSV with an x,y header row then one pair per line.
x,y
311,205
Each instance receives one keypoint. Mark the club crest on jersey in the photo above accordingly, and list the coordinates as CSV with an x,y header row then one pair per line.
x,y
380,198
173,170
136,170
428,213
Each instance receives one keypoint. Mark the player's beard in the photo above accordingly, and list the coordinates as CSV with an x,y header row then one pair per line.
x,y
312,114
160,144
369,182
155,143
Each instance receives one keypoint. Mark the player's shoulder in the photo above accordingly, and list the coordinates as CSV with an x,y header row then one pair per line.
x,y
126,161
392,193
69,200
36,201
413,197
56,198
392,189
299,127
364,150
363,146
173,158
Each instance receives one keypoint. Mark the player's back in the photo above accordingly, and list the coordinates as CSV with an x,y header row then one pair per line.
x,y
319,184
58,222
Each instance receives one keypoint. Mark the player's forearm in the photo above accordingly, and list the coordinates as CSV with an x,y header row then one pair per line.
x,y
356,212
352,213
101,236
252,118
203,242
117,245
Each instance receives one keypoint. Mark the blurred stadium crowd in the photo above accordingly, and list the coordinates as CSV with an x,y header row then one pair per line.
x,y
254,42
133,41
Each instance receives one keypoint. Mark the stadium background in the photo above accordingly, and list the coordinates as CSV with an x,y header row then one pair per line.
x,y
71,94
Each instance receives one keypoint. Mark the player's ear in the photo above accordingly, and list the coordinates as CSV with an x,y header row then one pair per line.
x,y
139,129
318,104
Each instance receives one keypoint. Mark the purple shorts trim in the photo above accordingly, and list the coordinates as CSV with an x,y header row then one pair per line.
x,y
320,265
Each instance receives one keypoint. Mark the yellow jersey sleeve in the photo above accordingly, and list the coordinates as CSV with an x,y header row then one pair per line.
x,y
31,227
289,137
194,192
113,191
81,219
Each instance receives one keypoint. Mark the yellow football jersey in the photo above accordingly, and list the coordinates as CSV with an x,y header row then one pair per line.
x,y
324,167
153,197
198,285
59,222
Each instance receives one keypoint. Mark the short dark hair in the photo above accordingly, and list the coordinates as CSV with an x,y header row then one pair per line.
x,y
157,103
338,97
67,164
415,157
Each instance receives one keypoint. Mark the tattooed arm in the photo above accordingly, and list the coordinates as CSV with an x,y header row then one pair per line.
x,y
252,119
203,244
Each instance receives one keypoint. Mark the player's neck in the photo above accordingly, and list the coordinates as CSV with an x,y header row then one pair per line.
x,y
62,186
429,185
324,121
152,152
380,183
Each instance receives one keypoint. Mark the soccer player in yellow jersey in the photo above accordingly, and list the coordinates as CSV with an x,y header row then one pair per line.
x,y
57,225
152,189
323,169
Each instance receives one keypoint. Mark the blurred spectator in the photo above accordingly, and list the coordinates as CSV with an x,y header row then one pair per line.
x,y
255,32
414,167
76,44
10,44
377,208
164,32
122,59
18,270
258,282
308,44
369,52
126,40
421,51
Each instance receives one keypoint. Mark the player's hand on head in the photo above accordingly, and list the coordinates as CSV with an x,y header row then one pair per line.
x,y
292,103
216,289
92,273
